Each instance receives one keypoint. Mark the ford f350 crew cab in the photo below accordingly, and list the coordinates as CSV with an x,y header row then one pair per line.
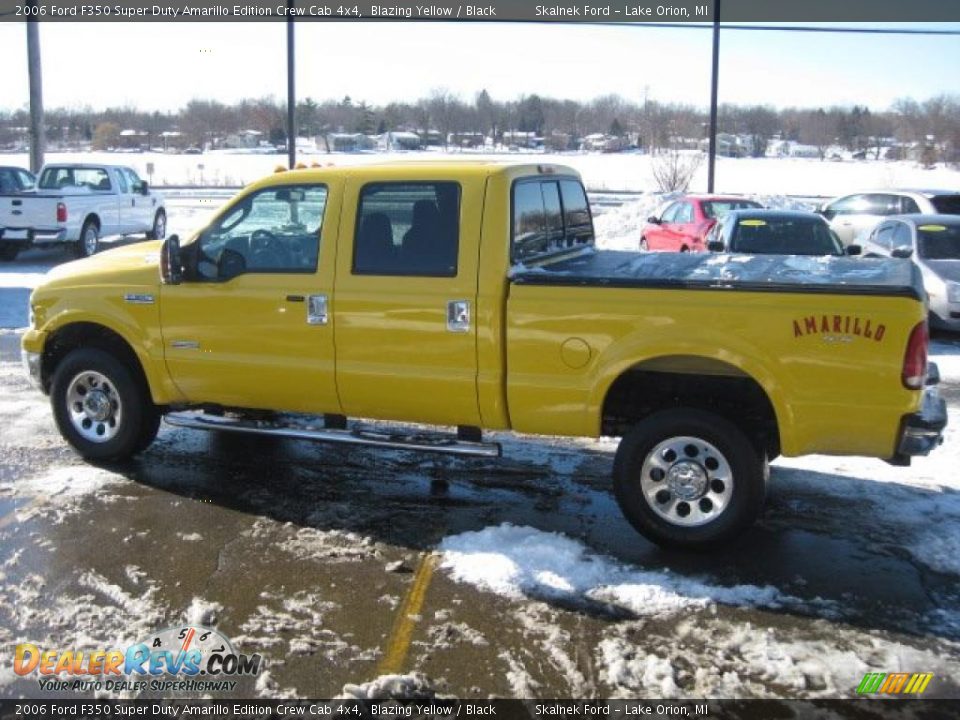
x,y
470,295
79,203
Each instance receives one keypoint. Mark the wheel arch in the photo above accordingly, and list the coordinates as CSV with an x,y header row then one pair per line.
x,y
743,392
91,217
77,333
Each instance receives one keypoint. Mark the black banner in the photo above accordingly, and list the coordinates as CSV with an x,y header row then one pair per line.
x,y
569,11
434,709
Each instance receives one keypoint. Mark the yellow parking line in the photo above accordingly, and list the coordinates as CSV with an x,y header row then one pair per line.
x,y
399,641
14,515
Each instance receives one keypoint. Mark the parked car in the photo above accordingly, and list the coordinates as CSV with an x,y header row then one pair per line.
x,y
470,295
850,215
80,203
776,232
682,225
14,179
933,243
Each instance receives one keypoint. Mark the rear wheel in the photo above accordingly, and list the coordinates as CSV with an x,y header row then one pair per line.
x,y
101,408
159,231
9,251
644,247
689,479
89,241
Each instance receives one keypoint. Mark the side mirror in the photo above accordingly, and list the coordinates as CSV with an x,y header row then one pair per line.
x,y
171,264
853,249
904,252
144,188
653,220
715,246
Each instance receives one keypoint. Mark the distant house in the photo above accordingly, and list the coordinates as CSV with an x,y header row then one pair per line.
x,y
399,140
466,139
134,139
242,139
599,142
559,141
728,145
520,139
788,148
348,142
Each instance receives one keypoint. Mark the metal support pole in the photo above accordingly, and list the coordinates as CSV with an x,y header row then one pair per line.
x,y
714,84
291,95
38,135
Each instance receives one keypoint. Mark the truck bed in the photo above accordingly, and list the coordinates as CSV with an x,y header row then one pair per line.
x,y
708,271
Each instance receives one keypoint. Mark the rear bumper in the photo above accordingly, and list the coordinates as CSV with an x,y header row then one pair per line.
x,y
32,235
922,431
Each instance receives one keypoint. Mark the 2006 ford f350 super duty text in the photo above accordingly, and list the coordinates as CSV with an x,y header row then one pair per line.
x,y
470,294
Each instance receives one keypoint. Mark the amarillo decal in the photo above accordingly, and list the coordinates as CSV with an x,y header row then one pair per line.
x,y
845,326
752,223
933,228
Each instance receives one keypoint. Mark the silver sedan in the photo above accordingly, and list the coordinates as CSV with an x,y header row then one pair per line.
x,y
933,243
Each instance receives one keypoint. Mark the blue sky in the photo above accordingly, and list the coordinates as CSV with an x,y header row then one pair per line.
x,y
161,66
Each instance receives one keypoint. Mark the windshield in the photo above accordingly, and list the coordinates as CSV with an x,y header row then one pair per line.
x,y
938,241
784,236
947,204
718,209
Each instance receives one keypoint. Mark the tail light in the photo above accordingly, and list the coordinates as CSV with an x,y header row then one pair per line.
x,y
61,212
915,359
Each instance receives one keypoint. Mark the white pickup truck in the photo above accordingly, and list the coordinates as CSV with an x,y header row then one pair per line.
x,y
80,203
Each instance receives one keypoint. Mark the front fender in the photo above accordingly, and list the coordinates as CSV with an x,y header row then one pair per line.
x,y
138,324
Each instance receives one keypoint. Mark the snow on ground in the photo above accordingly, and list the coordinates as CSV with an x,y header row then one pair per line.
x,y
615,171
519,562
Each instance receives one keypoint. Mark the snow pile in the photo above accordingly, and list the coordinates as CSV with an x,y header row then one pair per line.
x,y
712,657
415,686
518,562
202,612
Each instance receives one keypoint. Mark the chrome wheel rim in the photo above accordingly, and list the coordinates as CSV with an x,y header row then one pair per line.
x,y
687,481
160,226
94,406
90,240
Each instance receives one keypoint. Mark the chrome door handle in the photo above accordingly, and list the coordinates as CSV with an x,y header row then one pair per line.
x,y
458,316
317,310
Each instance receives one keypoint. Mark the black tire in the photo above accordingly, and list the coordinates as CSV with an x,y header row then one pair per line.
x,y
9,251
644,246
723,454
136,418
88,245
159,230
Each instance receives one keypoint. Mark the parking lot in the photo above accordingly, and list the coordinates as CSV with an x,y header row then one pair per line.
x,y
353,570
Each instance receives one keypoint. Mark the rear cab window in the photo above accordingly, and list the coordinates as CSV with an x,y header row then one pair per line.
x,y
56,178
549,216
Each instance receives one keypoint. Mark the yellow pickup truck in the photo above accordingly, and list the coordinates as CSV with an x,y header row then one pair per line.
x,y
470,295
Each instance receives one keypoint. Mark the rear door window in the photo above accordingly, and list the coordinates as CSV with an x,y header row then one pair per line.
x,y
549,216
408,229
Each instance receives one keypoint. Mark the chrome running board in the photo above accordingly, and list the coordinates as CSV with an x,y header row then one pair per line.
x,y
423,442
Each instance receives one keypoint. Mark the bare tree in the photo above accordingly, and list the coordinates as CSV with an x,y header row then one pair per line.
x,y
673,170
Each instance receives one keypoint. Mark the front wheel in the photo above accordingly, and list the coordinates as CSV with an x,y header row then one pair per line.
x,y
9,251
689,479
159,230
644,246
101,408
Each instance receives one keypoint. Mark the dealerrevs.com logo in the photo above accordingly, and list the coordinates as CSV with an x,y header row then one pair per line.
x,y
188,658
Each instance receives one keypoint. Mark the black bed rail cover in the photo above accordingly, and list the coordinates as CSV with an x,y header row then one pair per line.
x,y
727,271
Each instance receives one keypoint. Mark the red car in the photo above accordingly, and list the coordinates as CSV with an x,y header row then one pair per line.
x,y
682,225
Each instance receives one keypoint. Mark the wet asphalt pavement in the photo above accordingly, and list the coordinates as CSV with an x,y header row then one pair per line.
x,y
322,559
